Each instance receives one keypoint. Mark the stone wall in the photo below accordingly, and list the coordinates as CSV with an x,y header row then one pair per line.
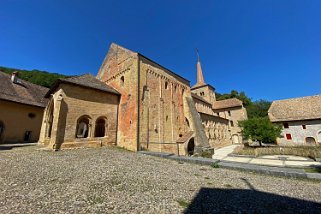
x,y
70,103
163,115
120,70
233,114
299,134
16,119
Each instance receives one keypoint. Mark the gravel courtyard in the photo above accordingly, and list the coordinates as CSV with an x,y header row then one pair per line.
x,y
111,180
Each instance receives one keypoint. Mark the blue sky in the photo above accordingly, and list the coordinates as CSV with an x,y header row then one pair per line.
x,y
271,49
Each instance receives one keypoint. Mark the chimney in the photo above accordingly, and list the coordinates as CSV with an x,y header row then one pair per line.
x,y
14,77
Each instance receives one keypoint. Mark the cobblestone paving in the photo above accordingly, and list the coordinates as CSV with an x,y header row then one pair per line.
x,y
110,180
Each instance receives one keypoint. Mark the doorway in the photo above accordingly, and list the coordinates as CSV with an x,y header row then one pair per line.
x,y
190,147
1,131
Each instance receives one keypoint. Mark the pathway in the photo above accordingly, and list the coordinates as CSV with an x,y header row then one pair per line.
x,y
267,160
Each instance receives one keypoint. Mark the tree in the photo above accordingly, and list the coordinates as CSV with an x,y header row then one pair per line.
x,y
235,94
260,129
258,108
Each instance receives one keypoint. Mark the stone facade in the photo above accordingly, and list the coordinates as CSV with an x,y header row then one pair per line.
x,y
19,122
305,132
233,115
156,106
78,116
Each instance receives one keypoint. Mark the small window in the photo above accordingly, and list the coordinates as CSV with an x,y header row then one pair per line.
x,y
218,113
232,123
285,125
202,93
166,85
31,115
27,136
183,91
122,81
166,117
288,136
229,113
304,127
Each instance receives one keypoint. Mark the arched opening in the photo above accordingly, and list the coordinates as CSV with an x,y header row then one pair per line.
x,y
1,131
190,147
49,118
235,139
310,140
100,127
166,85
82,130
122,80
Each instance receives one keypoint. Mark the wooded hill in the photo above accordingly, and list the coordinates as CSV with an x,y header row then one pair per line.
x,y
42,78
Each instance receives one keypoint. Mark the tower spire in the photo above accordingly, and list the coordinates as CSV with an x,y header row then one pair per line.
x,y
200,78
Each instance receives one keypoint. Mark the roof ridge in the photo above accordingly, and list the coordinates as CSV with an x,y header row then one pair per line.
x,y
297,98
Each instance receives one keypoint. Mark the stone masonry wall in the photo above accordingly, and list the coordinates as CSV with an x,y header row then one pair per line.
x,y
162,118
120,70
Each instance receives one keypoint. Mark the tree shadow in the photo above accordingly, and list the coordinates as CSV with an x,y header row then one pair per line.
x,y
212,200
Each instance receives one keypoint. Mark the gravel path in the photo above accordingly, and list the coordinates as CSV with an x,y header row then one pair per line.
x,y
110,180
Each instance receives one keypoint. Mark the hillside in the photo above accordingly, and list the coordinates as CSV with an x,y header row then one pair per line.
x,y
42,78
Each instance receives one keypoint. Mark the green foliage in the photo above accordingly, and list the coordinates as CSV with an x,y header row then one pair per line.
x,y
215,164
235,94
258,108
260,129
42,78
183,203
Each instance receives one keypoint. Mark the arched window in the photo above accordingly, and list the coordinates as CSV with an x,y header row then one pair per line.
x,y
122,80
83,127
310,140
166,85
100,127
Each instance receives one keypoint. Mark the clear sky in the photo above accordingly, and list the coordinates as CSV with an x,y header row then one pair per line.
x,y
271,49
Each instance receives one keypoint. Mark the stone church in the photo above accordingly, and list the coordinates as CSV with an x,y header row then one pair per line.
x,y
134,103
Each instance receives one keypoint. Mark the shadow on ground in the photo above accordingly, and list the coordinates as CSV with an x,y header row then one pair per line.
x,y
12,146
210,200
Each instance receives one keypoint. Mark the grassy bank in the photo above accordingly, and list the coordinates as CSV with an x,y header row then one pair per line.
x,y
304,151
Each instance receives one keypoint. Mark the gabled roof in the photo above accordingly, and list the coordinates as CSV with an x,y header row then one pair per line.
x,y
302,108
228,103
22,92
186,81
200,98
87,81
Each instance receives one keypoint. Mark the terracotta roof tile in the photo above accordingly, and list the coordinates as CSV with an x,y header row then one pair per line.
x,y
302,108
228,103
22,92
86,80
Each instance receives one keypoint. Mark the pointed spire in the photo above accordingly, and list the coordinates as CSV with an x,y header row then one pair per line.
x,y
200,78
